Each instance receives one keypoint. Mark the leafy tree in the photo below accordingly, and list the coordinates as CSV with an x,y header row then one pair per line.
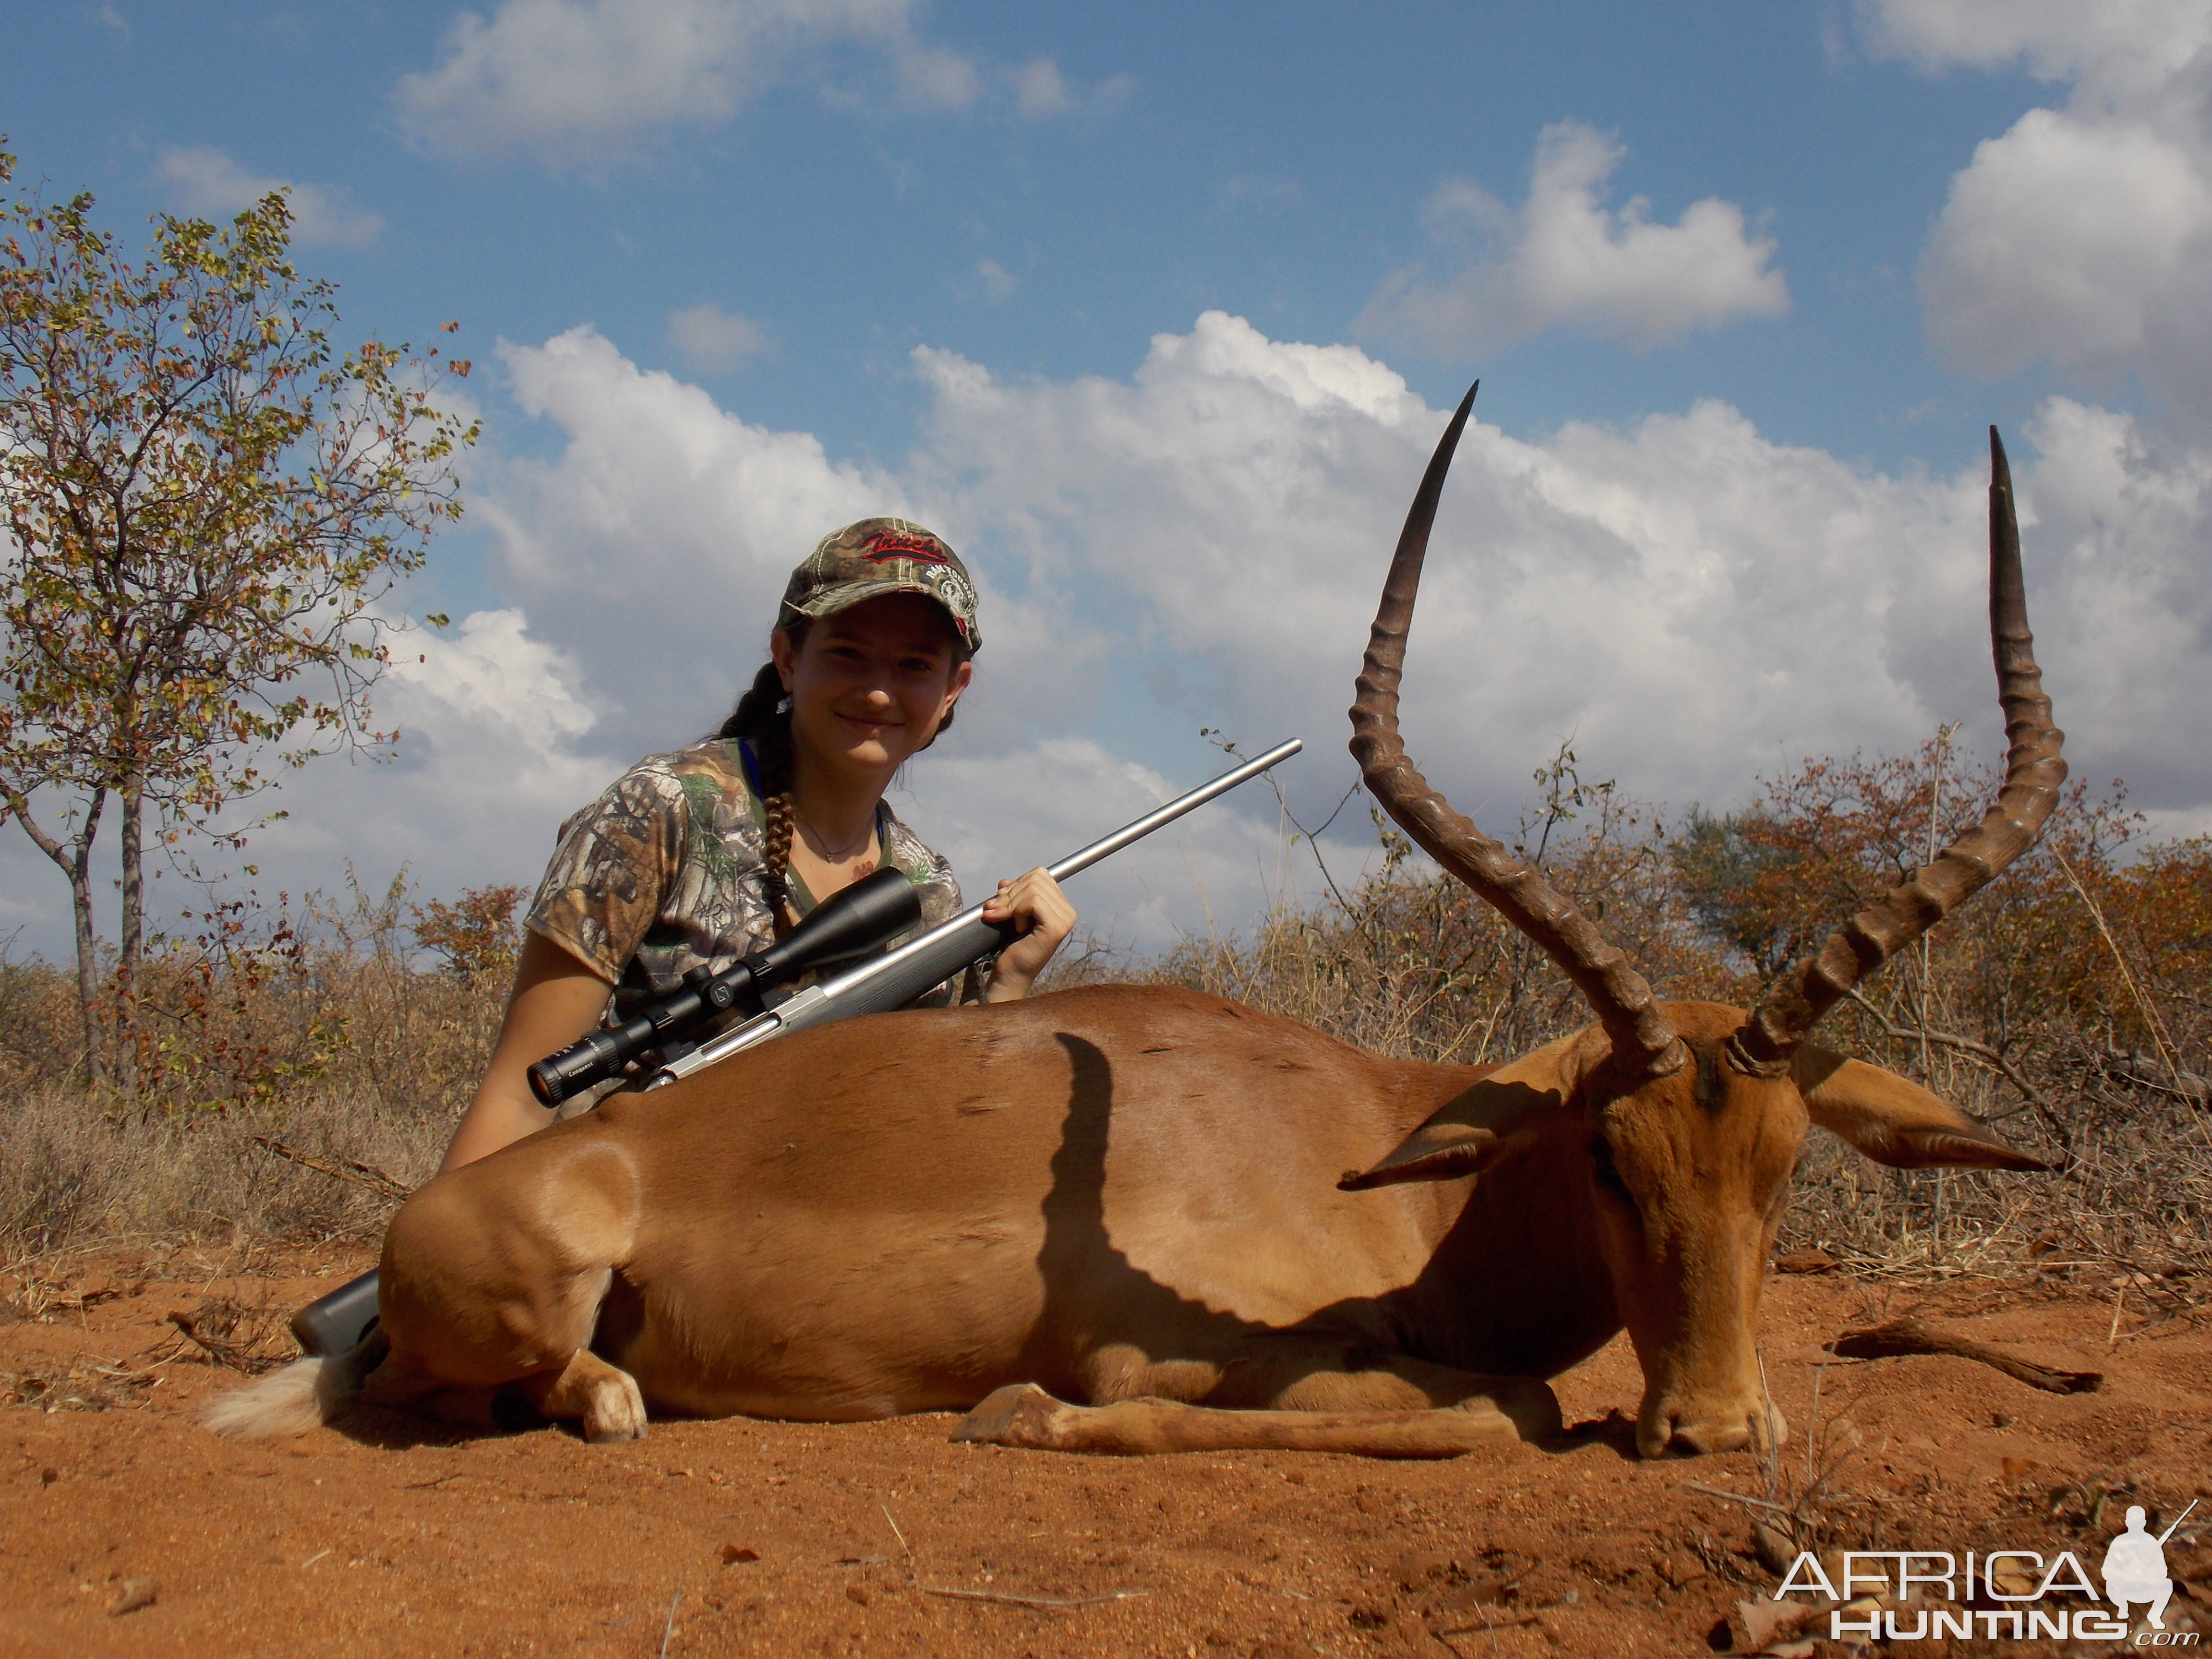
x,y
1723,863
1773,879
475,935
206,506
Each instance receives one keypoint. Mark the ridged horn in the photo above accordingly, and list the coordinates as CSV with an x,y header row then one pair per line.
x,y
2034,773
1643,1044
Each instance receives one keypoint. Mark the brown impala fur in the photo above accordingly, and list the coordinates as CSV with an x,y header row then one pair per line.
x,y
1138,1198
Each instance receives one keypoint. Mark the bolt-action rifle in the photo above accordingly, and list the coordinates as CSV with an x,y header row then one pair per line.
x,y
845,925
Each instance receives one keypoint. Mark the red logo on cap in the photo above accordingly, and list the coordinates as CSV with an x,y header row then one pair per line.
x,y
897,544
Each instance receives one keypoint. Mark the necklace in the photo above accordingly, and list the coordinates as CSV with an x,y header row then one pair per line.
x,y
822,849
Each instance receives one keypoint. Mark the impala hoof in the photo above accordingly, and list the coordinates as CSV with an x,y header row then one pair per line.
x,y
625,1421
1701,1434
1020,1415
604,1400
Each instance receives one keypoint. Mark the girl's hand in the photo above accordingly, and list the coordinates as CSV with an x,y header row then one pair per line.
x,y
1036,905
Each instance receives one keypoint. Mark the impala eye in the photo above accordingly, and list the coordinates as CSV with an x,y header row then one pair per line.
x,y
1602,1166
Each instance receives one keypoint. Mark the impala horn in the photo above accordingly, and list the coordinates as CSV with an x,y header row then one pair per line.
x,y
1643,1044
2034,773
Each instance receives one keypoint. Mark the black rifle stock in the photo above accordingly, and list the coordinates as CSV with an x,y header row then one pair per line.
x,y
891,980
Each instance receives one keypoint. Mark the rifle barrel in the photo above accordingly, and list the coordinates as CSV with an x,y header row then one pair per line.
x,y
2176,1527
1107,846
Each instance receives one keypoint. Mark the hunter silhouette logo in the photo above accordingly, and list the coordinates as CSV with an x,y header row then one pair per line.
x,y
2135,1567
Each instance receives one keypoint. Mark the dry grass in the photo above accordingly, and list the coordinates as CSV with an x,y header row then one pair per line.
x,y
80,1384
73,1174
323,1031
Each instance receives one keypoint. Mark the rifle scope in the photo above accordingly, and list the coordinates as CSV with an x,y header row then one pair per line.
x,y
844,924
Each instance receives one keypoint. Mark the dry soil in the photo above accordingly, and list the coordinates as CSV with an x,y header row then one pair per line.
x,y
127,1529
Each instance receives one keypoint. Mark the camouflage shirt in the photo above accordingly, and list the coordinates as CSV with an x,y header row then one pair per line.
x,y
665,871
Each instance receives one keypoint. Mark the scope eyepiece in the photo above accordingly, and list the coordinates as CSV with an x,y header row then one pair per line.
x,y
594,1056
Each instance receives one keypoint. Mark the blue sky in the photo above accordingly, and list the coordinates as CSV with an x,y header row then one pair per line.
x,y
1270,162
1155,310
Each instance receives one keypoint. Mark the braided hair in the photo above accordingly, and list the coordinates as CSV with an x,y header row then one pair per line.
x,y
763,720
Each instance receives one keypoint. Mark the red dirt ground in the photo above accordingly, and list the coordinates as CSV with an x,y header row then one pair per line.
x,y
125,1528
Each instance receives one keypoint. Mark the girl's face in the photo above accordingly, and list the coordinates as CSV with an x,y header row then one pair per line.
x,y
871,684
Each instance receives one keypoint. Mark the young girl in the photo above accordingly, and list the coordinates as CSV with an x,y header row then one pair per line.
x,y
711,852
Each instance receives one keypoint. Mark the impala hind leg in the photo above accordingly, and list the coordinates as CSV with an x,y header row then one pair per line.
x,y
1318,1371
1279,1400
1024,1415
494,1275
606,1400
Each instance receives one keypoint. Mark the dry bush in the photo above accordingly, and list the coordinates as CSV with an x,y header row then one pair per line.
x,y
333,995
319,1026
2063,1005
1411,964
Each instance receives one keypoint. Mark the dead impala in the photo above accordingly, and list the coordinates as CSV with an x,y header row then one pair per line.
x,y
1135,1198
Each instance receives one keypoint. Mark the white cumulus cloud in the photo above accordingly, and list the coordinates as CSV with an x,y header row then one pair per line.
x,y
1694,602
497,745
1564,260
578,80
2083,235
1041,91
711,337
1201,541
994,284
2122,48
582,82
204,181
503,678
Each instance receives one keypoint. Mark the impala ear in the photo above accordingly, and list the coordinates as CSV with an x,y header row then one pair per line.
x,y
1893,1120
1485,1124
1435,1152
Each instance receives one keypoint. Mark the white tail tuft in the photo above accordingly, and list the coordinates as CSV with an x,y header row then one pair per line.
x,y
306,1394
289,1402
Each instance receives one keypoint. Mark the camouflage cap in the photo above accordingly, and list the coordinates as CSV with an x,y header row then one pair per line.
x,y
876,557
